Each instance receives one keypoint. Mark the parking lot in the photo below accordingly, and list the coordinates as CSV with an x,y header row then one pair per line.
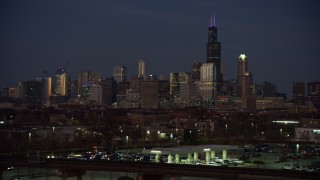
x,y
269,156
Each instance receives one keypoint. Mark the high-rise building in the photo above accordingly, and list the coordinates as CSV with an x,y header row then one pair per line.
x,y
214,53
154,93
185,77
298,93
74,90
120,73
174,85
61,79
268,89
46,87
229,87
110,91
31,92
142,72
7,94
248,99
84,77
135,83
196,71
207,87
96,78
95,94
313,90
242,75
149,94
187,92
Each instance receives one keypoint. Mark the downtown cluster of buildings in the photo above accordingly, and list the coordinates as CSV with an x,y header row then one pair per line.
x,y
203,86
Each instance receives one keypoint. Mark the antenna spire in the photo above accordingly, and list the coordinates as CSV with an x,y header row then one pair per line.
x,y
213,20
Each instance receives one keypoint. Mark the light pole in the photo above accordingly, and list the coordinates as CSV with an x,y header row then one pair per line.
x,y
29,135
158,137
127,140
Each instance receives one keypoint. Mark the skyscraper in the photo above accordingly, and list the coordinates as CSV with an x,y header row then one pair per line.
x,y
248,100
46,87
298,93
174,85
314,91
141,72
207,84
196,71
120,73
61,83
214,53
31,92
242,73
154,93
268,89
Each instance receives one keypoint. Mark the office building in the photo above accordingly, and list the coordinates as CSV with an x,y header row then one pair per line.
x,y
207,87
313,91
120,73
174,85
196,71
154,93
242,75
46,87
298,93
61,80
248,101
110,89
268,89
214,53
31,93
141,69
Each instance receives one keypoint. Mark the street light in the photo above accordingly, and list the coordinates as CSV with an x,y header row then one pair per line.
x,y
226,128
29,135
127,139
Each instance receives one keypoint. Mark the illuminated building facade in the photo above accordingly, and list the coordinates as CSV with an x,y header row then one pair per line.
x,y
207,86
61,83
46,87
141,69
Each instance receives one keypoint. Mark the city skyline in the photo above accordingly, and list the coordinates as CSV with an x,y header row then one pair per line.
x,y
276,37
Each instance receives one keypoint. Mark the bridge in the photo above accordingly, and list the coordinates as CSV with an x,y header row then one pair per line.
x,y
157,171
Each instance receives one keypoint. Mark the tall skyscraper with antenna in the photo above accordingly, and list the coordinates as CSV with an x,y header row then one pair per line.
x,y
214,54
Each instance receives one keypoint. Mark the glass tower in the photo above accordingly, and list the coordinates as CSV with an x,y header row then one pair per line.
x,y
214,53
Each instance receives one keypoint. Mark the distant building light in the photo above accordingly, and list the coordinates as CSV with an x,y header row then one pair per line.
x,y
242,56
316,131
287,122
155,152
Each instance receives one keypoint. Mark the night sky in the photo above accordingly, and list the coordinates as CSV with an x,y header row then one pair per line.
x,y
280,38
